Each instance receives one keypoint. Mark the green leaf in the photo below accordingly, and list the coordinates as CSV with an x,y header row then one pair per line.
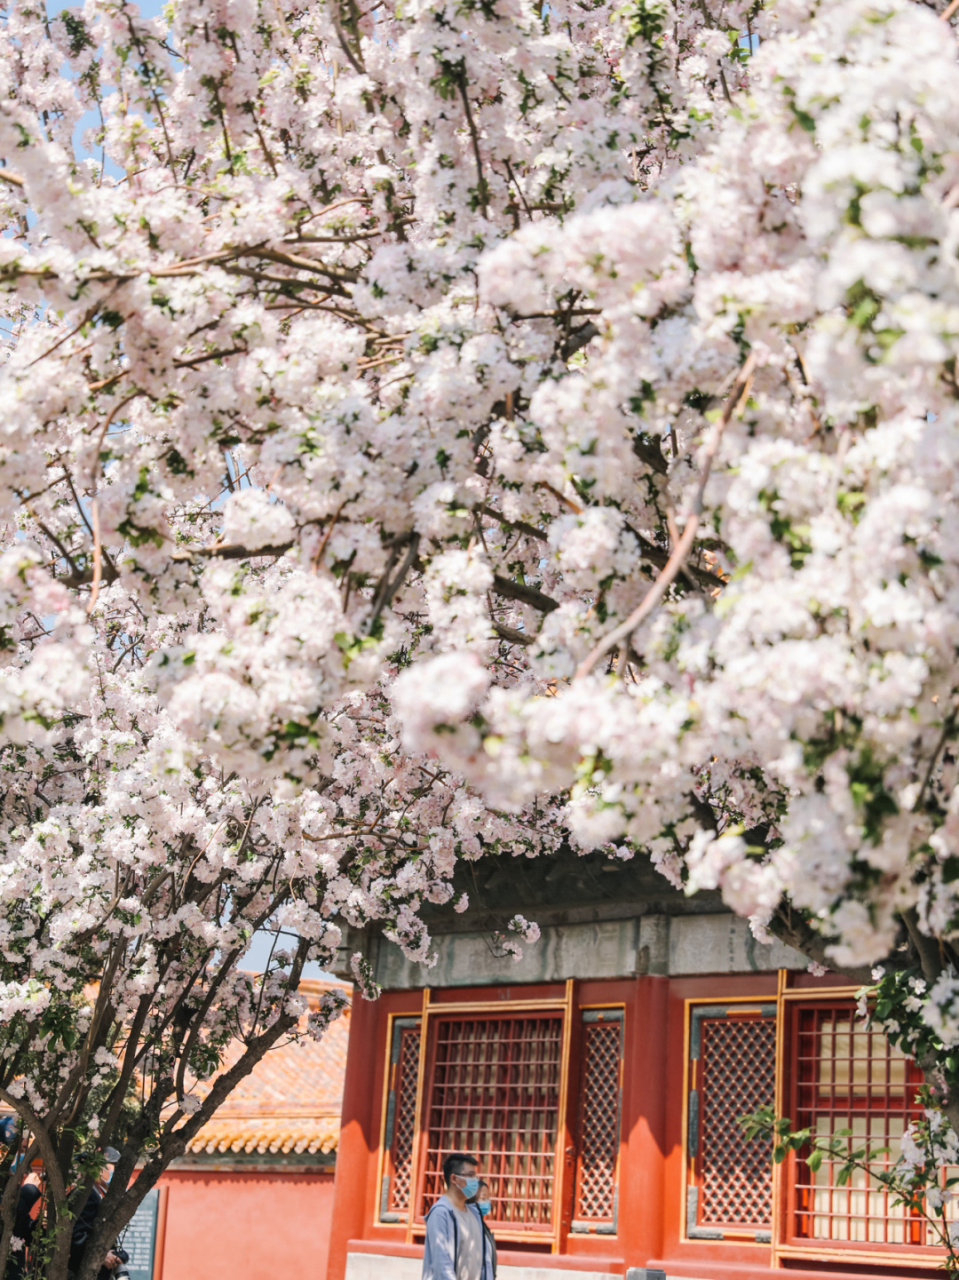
x,y
804,118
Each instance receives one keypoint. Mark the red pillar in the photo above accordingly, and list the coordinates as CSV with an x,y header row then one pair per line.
x,y
357,1139
642,1184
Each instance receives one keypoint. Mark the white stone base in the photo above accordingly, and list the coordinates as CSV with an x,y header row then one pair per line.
x,y
378,1266
552,1273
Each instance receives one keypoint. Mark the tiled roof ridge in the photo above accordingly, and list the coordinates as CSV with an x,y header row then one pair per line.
x,y
220,1137
276,1113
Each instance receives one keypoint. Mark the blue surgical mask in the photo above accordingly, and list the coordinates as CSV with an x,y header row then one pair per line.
x,y
471,1187
484,1207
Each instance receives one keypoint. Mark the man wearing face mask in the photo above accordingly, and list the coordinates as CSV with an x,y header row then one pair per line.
x,y
456,1244
484,1203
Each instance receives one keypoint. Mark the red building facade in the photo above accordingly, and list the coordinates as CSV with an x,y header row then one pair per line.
x,y
252,1198
603,1107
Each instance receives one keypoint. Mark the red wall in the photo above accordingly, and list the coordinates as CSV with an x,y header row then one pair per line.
x,y
246,1226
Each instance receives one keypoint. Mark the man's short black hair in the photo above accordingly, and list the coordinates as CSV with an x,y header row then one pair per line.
x,y
453,1165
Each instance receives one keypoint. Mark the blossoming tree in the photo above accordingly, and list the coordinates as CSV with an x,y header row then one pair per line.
x,y
442,427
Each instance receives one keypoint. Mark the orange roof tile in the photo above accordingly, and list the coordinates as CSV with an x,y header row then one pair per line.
x,y
290,1103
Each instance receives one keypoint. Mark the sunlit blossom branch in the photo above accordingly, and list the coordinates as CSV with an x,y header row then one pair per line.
x,y
677,557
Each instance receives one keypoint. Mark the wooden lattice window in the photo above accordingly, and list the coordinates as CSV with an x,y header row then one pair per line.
x,y
846,1077
595,1206
400,1120
493,1090
732,1072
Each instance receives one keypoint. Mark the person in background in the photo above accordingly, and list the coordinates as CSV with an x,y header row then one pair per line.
x,y
484,1203
28,1202
28,1205
456,1245
116,1258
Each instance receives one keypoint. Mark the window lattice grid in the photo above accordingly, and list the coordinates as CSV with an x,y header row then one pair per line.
x,y
495,1092
848,1077
401,1145
737,1071
599,1122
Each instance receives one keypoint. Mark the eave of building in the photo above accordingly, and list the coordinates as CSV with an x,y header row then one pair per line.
x,y
268,1135
289,1105
599,916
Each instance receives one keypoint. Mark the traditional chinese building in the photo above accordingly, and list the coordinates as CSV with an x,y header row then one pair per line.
x,y
253,1197
599,1081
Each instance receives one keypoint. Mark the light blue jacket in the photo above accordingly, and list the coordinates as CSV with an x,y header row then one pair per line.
x,y
442,1241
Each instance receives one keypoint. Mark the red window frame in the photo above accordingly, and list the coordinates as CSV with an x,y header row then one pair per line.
x,y
399,1131
731,1072
493,1086
839,1073
601,1048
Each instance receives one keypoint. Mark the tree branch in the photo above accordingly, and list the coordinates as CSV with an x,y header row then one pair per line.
x,y
576,341
510,590
683,547
512,635
789,927
387,588
927,948
481,189
115,1213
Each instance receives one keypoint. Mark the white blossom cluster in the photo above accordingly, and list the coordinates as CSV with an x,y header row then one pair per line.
x,y
363,373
